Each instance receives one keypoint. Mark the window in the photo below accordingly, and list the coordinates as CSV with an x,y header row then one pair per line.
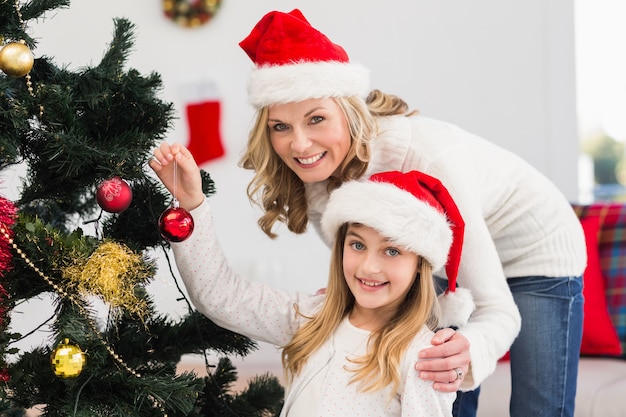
x,y
601,98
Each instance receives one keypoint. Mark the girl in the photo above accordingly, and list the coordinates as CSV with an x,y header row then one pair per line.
x,y
352,350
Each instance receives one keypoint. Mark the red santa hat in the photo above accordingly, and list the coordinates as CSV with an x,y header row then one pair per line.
x,y
416,211
295,62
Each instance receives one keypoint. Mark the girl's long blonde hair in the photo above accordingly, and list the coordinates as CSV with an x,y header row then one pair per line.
x,y
279,191
381,364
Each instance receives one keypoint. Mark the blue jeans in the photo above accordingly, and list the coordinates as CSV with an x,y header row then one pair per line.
x,y
544,357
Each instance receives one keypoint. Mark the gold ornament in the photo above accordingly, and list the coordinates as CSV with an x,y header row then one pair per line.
x,y
67,360
16,59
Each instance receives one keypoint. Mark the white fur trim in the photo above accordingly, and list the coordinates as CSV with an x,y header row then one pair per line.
x,y
456,307
395,213
303,80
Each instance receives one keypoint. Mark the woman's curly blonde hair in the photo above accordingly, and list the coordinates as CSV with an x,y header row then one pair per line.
x,y
279,191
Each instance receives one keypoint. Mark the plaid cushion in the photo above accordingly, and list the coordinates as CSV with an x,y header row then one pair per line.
x,y
612,251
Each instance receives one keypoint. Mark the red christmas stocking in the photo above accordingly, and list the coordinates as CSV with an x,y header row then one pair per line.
x,y
205,142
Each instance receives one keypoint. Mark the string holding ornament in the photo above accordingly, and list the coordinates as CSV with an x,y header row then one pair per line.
x,y
175,223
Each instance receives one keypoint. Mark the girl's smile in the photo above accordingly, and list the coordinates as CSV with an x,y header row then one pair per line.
x,y
371,284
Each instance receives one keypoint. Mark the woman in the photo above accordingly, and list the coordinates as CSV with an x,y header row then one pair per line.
x,y
318,125
519,226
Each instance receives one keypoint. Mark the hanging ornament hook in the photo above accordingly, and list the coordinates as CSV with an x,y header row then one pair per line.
x,y
175,202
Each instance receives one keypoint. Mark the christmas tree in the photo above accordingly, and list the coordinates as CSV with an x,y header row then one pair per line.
x,y
86,226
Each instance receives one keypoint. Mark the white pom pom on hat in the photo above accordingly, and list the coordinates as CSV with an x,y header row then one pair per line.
x,y
295,62
416,211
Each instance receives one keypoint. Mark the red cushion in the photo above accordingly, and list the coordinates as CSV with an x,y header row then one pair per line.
x,y
599,335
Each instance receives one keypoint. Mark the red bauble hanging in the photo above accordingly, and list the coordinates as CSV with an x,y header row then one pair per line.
x,y
175,224
114,195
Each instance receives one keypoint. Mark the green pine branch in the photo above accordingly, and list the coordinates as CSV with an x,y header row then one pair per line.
x,y
75,129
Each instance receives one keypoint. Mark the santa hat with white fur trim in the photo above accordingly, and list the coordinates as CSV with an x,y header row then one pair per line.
x,y
416,211
295,62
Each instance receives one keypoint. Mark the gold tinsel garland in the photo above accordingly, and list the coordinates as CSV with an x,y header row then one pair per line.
x,y
190,13
108,274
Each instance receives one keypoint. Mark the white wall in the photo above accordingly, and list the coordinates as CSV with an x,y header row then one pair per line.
x,y
503,69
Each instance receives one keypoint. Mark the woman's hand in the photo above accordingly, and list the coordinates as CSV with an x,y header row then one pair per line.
x,y
448,360
182,178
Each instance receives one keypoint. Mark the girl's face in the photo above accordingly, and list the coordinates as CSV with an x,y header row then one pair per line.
x,y
311,137
378,273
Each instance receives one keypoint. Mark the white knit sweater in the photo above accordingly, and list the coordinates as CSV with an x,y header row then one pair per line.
x,y
517,223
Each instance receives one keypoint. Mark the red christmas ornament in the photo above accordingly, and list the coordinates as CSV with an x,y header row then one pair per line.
x,y
175,224
114,195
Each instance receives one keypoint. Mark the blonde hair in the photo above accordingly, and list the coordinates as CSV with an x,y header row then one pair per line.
x,y
279,191
381,364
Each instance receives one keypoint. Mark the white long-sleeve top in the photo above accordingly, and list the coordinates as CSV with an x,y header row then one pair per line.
x,y
517,223
266,314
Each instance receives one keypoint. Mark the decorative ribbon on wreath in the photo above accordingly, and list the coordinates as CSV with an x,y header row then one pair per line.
x,y
190,13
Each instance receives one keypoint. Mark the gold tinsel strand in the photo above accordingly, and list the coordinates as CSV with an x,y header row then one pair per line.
x,y
108,274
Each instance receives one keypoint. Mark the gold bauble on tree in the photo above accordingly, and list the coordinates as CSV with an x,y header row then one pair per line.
x,y
16,59
67,360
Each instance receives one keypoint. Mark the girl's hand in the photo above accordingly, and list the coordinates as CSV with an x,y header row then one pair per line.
x,y
448,361
182,178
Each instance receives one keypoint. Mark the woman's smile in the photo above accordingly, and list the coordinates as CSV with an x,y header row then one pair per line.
x,y
311,159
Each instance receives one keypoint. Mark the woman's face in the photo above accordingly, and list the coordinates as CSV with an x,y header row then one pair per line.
x,y
311,137
378,273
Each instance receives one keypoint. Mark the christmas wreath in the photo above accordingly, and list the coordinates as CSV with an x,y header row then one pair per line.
x,y
190,13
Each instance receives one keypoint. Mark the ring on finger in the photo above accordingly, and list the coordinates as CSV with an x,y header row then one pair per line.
x,y
459,374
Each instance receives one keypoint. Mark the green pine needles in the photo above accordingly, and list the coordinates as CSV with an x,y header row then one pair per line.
x,y
70,130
